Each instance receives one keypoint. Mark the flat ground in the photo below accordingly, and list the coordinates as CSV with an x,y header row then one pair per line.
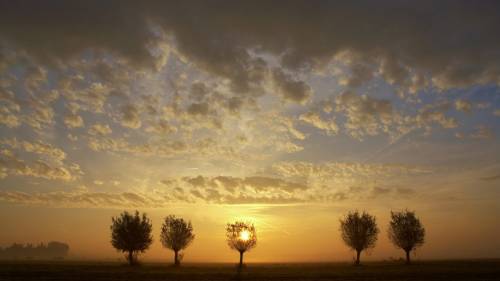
x,y
429,270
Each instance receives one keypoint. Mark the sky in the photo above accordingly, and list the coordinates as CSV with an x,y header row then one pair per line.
x,y
286,114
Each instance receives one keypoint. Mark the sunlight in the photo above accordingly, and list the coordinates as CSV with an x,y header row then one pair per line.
x,y
245,235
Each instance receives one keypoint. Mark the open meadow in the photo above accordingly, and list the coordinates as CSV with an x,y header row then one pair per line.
x,y
429,270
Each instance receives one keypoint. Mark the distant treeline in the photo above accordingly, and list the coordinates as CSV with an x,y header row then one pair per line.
x,y
52,250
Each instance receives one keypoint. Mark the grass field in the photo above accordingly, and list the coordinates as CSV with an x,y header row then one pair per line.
x,y
429,270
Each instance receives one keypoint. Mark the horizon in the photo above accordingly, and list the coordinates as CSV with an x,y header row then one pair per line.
x,y
287,115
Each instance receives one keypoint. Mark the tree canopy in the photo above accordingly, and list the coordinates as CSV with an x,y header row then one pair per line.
x,y
131,234
359,231
406,231
176,234
242,237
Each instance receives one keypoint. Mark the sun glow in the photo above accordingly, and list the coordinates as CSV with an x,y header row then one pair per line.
x,y
245,235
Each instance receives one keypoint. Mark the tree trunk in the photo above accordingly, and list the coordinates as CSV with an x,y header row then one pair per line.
x,y
130,258
358,252
241,259
176,258
407,257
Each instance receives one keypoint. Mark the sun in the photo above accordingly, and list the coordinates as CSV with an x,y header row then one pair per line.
x,y
245,235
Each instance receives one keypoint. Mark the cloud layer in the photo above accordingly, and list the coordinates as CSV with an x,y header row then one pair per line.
x,y
241,102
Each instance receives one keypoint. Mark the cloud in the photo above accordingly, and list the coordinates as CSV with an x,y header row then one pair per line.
x,y
198,109
299,182
290,89
231,83
201,148
435,113
130,116
73,121
84,95
8,119
100,130
10,164
365,115
161,127
462,105
41,116
360,73
256,183
482,132
85,198
38,147
50,164
223,41
314,119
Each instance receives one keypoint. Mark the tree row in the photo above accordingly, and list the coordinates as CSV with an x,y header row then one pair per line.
x,y
132,234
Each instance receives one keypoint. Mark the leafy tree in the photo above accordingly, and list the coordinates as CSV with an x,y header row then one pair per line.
x,y
131,234
359,231
241,236
176,234
406,232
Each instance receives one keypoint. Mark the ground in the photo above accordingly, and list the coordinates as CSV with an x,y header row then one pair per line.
x,y
429,270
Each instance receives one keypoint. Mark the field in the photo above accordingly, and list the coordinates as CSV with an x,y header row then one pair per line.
x,y
429,270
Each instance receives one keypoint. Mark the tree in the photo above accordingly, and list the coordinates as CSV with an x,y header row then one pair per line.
x,y
406,232
176,234
131,234
359,231
241,236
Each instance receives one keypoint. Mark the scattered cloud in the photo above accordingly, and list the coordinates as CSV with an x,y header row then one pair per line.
x,y
73,121
315,120
462,105
130,116
291,89
482,132
100,130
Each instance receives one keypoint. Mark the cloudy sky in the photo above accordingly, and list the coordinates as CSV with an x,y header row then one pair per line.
x,y
287,114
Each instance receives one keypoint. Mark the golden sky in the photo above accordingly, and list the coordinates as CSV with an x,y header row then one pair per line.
x,y
285,115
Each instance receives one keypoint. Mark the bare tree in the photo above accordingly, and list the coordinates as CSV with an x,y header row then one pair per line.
x,y
406,232
131,234
241,236
176,234
359,231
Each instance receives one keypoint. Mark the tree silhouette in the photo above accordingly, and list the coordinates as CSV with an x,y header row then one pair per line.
x,y
406,232
176,234
52,250
131,234
241,236
359,231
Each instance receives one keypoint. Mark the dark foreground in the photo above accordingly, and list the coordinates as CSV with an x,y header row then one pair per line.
x,y
430,270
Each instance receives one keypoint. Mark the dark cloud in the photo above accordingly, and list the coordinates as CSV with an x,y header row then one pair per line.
x,y
289,88
449,43
57,30
198,109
